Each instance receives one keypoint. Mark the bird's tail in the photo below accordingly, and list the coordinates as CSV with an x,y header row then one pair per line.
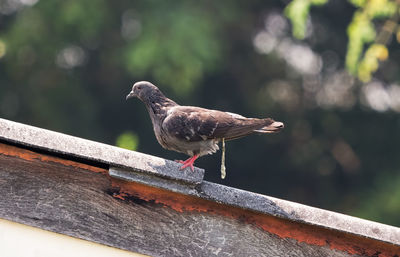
x,y
273,127
247,126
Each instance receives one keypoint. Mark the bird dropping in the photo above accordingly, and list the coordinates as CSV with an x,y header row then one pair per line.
x,y
223,168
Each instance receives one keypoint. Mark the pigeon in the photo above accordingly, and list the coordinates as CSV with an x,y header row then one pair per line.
x,y
195,131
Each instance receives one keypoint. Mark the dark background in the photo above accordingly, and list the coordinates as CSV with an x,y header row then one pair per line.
x,y
68,65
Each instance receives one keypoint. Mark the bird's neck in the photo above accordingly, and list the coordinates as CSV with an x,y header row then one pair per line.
x,y
158,105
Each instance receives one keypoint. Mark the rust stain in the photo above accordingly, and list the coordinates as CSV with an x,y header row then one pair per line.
x,y
121,196
303,233
30,156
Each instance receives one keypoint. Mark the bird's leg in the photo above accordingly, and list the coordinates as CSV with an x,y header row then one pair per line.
x,y
189,162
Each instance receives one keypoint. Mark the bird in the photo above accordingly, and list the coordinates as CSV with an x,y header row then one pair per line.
x,y
195,131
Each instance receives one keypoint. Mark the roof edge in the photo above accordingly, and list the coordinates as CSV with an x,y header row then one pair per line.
x,y
59,143
158,172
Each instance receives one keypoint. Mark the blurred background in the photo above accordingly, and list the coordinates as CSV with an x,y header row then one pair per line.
x,y
328,70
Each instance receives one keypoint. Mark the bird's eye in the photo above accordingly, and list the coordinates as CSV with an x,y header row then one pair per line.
x,y
139,87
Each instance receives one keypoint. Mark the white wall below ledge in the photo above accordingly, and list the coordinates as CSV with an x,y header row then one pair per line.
x,y
21,240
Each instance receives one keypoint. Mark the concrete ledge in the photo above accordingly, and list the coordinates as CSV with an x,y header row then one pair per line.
x,y
161,173
208,190
340,222
59,143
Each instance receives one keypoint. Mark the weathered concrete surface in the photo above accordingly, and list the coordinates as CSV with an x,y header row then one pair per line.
x,y
157,172
340,222
55,142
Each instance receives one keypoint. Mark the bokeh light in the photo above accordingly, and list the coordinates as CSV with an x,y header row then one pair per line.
x,y
2,48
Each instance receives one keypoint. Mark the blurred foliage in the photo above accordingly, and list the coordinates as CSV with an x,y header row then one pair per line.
x,y
2,48
369,64
361,32
67,65
382,204
298,13
189,45
128,140
398,35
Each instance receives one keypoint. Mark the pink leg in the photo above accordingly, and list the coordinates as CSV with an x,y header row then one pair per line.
x,y
189,162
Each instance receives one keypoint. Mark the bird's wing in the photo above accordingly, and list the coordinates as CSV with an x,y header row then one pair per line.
x,y
196,124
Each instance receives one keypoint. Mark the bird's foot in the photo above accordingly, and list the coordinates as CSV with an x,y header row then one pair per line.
x,y
188,163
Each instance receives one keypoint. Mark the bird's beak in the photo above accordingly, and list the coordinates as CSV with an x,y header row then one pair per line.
x,y
130,95
276,126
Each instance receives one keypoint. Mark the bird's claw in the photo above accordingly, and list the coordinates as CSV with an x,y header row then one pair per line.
x,y
188,163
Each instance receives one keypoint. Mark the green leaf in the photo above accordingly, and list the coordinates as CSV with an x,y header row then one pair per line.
x,y
318,2
381,8
358,3
370,62
360,31
297,12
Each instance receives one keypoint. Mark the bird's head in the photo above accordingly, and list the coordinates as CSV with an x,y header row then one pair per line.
x,y
143,90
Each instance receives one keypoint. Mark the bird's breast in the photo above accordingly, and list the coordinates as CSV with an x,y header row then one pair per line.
x,y
190,148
